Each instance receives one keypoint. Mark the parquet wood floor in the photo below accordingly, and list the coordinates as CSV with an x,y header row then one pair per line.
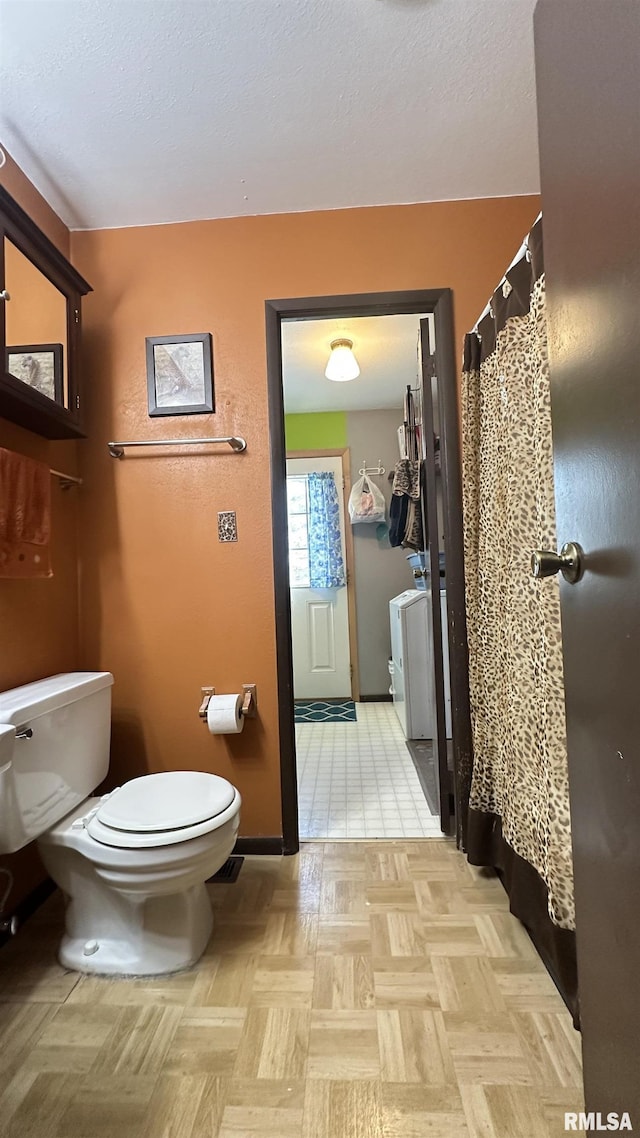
x,y
358,990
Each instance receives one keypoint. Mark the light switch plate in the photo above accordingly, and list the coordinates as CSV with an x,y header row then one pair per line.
x,y
227,526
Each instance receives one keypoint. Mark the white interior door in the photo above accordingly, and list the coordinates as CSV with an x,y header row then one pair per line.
x,y
319,617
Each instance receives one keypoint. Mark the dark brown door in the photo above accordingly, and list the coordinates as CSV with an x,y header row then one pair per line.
x,y
588,80
430,475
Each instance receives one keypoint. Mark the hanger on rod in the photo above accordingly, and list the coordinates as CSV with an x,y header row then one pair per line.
x,y
410,428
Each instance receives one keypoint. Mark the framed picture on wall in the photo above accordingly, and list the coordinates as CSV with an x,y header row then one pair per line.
x,y
180,374
39,366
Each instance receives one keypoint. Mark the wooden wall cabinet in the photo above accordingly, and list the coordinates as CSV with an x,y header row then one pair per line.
x,y
40,383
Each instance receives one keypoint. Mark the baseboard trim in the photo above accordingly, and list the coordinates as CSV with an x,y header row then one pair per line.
x,y
27,907
259,846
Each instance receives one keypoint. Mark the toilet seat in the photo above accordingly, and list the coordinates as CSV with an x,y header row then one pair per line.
x,y
162,809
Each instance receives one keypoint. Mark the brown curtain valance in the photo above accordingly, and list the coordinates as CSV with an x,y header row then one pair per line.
x,y
521,279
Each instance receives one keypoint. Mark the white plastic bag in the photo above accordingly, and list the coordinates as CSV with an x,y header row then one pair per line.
x,y
366,503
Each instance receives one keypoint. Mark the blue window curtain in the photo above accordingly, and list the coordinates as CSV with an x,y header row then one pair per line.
x,y
326,565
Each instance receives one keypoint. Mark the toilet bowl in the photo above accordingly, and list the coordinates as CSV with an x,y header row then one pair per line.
x,y
137,903
132,864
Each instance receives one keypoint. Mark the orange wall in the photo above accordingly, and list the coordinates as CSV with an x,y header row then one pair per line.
x,y
39,619
165,606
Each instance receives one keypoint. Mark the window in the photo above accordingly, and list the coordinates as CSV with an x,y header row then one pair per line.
x,y
298,516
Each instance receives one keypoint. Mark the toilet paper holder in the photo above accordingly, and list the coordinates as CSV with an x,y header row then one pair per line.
x,y
249,707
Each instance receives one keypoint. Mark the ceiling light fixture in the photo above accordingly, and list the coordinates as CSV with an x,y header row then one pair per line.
x,y
342,364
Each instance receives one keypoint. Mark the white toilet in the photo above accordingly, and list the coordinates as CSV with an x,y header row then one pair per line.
x,y
133,863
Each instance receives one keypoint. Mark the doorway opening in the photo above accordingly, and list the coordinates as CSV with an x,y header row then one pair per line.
x,y
362,642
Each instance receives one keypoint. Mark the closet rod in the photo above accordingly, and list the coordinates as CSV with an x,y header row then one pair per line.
x,y
66,479
116,450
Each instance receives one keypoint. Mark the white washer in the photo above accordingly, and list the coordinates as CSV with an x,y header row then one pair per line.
x,y
411,666
412,676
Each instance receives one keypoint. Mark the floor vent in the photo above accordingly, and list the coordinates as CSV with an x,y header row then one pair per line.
x,y
228,872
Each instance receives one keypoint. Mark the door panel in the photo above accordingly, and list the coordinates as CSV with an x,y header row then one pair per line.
x,y
320,617
321,636
588,79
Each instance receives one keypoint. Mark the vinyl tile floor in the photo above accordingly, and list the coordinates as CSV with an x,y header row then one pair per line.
x,y
357,780
356,990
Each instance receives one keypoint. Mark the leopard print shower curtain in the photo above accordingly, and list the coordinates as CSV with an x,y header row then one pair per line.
x,y
519,775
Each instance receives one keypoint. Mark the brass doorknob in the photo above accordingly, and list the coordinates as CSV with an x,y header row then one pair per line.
x,y
569,561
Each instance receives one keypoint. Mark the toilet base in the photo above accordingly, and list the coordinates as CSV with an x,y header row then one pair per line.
x,y
163,934
133,912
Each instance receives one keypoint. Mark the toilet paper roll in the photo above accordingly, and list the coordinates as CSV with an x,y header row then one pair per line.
x,y
223,714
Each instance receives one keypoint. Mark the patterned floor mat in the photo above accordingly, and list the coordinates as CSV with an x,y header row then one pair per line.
x,y
325,711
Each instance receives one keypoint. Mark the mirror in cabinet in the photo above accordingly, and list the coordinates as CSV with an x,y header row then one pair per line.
x,y
39,329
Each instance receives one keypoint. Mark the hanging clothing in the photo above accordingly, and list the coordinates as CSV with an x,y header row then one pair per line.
x,y
406,478
413,538
398,509
405,511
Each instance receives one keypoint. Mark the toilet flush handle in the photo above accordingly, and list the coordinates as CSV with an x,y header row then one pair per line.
x,y
24,733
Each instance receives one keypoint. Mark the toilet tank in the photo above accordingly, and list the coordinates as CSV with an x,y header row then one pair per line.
x,y
63,755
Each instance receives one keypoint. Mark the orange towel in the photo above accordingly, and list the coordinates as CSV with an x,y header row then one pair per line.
x,y
25,516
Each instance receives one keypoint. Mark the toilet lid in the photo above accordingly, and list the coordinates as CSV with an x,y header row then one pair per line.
x,y
169,801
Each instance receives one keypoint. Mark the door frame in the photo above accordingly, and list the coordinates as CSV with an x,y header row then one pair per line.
x,y
440,303
344,454
428,484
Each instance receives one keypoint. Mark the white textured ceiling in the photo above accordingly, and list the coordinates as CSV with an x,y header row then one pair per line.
x,y
386,348
126,112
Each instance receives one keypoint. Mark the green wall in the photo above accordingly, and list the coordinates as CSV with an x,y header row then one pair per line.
x,y
322,430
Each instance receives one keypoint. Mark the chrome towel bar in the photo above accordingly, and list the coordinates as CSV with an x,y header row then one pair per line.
x,y
116,450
